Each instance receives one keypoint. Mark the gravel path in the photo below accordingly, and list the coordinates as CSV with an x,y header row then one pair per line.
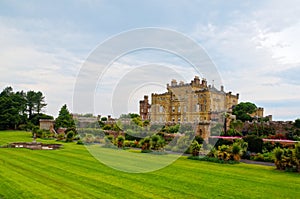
x,y
257,162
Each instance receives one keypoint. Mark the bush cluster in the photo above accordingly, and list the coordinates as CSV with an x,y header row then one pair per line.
x,y
287,159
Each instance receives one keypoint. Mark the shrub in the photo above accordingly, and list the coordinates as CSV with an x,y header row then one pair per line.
x,y
88,139
98,139
224,152
110,138
120,141
258,157
212,159
77,137
80,142
254,143
145,143
157,142
60,136
285,159
236,151
278,152
70,136
195,148
220,142
199,139
297,155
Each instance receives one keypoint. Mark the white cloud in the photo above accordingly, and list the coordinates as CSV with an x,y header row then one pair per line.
x,y
255,53
27,64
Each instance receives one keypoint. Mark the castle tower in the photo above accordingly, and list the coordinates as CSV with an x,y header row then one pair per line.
x,y
145,108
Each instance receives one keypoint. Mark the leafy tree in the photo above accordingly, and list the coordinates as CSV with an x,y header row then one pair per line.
x,y
35,118
39,101
35,102
30,99
297,123
11,109
15,106
64,118
243,109
255,143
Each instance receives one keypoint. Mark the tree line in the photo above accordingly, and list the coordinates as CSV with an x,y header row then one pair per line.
x,y
20,109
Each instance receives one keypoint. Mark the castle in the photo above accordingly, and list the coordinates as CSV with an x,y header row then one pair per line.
x,y
195,102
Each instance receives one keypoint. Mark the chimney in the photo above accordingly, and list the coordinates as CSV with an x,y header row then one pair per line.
x,y
173,82
222,88
204,82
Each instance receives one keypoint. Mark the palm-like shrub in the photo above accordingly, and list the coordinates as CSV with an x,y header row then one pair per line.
x,y
145,143
236,151
224,152
297,156
120,141
157,142
278,153
287,159
195,147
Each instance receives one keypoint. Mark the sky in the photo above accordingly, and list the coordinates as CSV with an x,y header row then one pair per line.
x,y
253,44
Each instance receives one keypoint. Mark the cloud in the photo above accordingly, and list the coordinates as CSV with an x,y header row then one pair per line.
x,y
257,55
30,64
254,45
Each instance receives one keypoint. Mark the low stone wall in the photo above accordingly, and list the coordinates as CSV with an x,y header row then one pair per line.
x,y
35,145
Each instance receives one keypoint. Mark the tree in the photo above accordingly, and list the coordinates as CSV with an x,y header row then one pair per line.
x,y
39,102
243,111
11,109
30,95
35,102
255,143
64,118
14,107
297,123
35,118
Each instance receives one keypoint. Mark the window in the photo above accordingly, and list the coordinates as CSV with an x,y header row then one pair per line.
x,y
184,109
161,109
179,109
196,109
173,109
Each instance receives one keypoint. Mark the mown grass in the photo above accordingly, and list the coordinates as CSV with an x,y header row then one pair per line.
x,y
73,173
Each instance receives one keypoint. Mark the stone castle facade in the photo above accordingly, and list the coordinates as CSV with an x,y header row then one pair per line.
x,y
193,102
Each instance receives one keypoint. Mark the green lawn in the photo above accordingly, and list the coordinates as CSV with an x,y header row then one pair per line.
x,y
72,172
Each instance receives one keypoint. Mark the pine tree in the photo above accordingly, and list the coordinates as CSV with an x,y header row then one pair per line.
x,y
64,118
